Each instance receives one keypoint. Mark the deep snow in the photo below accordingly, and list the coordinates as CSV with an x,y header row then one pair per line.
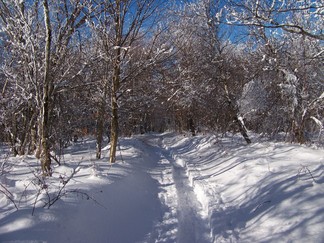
x,y
168,188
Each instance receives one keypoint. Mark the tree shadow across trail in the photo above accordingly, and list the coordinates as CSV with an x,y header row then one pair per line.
x,y
248,198
126,207
270,201
132,204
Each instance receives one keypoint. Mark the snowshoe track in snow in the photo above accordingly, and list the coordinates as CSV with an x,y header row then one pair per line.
x,y
191,226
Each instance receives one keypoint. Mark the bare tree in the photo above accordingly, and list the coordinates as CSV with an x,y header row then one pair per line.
x,y
120,24
39,36
45,155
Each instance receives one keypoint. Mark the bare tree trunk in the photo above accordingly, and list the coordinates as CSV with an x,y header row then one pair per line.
x,y
45,147
242,129
114,111
116,83
298,129
24,136
99,138
128,18
38,143
191,126
13,136
114,130
33,140
100,128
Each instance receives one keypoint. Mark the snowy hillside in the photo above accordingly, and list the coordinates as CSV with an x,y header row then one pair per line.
x,y
167,188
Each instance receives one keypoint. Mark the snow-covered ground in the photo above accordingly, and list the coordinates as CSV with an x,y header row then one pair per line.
x,y
167,188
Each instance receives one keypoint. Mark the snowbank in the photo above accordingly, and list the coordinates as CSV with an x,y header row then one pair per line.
x,y
263,192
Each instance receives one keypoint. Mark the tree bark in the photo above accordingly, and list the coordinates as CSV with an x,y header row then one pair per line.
x,y
116,82
45,147
114,111
100,129
114,130
191,126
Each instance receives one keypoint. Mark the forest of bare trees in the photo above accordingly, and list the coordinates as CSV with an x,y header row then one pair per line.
x,y
71,68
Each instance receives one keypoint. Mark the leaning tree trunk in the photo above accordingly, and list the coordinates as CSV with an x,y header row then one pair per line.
x,y
45,148
237,118
242,128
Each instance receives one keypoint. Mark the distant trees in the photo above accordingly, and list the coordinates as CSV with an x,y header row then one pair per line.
x,y
259,82
209,73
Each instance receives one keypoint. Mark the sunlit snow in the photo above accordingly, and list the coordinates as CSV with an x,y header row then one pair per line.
x,y
168,188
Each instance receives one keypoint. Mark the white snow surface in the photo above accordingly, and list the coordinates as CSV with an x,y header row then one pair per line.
x,y
168,188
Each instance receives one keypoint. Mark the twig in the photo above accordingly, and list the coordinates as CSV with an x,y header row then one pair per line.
x,y
55,159
8,194
121,156
61,193
305,169
24,193
310,174
261,204
87,196
34,205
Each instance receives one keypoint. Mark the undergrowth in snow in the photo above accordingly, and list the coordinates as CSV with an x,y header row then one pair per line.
x,y
167,188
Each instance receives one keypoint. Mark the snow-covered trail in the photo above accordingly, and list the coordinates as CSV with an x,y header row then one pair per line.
x,y
131,209
145,197
191,226
125,209
170,188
